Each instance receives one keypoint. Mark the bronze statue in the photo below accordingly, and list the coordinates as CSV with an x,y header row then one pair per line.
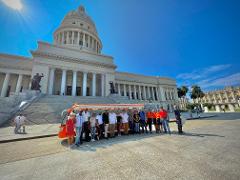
x,y
35,85
112,88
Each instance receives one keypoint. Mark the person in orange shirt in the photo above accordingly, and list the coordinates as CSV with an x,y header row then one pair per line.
x,y
150,120
157,121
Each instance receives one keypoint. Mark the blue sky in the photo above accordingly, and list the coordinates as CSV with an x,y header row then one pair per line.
x,y
194,41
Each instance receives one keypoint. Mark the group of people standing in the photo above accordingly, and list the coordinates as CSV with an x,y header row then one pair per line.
x,y
111,123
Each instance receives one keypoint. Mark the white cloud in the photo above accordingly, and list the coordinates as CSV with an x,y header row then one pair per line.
x,y
14,4
230,80
203,73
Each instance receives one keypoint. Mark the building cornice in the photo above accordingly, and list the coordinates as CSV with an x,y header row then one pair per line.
x,y
145,76
72,49
70,59
10,56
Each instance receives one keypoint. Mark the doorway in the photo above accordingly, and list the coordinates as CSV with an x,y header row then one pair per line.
x,y
78,91
69,90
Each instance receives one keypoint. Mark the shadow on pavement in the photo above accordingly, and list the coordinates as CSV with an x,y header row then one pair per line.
x,y
198,135
104,143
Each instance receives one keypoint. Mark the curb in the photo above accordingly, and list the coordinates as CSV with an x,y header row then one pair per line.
x,y
203,117
26,138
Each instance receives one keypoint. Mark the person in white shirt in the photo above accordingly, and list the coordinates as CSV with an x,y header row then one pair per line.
x,y
125,117
100,126
112,122
19,122
86,116
78,126
93,126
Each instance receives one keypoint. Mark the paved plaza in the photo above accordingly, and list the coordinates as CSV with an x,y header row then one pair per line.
x,y
209,149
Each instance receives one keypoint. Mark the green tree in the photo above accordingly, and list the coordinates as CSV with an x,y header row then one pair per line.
x,y
182,91
196,92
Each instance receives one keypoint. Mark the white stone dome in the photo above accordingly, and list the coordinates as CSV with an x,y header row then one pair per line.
x,y
77,30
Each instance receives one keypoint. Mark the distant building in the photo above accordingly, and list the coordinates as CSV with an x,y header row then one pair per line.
x,y
183,102
227,98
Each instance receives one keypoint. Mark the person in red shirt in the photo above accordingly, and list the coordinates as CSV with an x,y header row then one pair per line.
x,y
165,120
70,128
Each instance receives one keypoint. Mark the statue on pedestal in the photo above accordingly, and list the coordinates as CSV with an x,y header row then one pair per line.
x,y
112,88
35,85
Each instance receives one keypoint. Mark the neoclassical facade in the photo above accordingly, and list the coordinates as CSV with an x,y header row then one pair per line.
x,y
73,65
228,97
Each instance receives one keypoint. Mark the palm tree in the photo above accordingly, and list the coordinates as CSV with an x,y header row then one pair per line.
x,y
196,92
182,91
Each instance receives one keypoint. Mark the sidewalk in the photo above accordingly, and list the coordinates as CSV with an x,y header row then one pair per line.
x,y
32,132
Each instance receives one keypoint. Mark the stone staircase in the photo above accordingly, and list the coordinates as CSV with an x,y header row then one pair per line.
x,y
48,108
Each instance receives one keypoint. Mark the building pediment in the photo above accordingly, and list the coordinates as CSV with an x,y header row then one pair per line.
x,y
67,54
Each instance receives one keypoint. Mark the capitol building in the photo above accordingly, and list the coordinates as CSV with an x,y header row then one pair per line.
x,y
73,65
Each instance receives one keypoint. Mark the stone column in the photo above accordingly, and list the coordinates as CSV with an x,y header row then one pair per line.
x,y
94,84
157,92
217,107
63,84
51,81
130,91
19,83
139,92
67,37
72,37
84,83
119,89
124,90
62,41
148,92
102,84
134,91
163,98
78,38
74,83
144,93
88,41
5,85
84,45
231,108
